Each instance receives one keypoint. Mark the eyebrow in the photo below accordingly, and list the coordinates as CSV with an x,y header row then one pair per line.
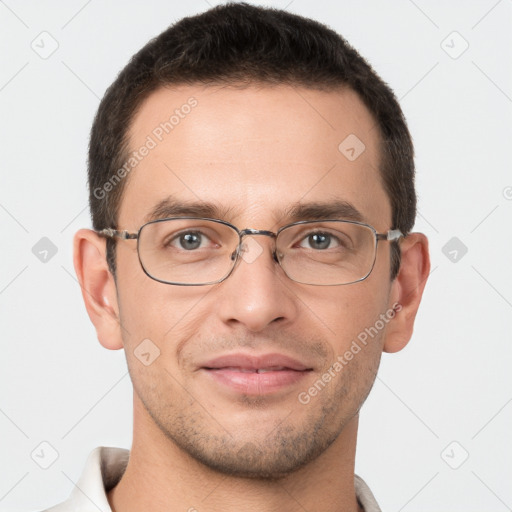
x,y
336,209
317,210
172,207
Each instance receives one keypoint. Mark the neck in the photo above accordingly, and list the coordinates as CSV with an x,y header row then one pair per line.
x,y
160,476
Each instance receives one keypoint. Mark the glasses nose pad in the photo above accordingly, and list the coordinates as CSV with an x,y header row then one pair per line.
x,y
242,248
233,255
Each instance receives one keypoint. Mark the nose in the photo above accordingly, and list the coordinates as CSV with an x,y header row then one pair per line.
x,y
257,293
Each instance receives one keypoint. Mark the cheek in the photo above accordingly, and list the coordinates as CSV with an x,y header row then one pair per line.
x,y
341,313
152,310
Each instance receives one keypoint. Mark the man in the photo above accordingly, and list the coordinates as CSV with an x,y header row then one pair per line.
x,y
252,194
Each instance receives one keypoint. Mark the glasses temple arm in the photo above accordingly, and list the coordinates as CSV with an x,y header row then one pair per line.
x,y
112,233
393,235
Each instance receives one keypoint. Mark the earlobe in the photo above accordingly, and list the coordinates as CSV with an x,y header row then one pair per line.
x,y
98,287
407,290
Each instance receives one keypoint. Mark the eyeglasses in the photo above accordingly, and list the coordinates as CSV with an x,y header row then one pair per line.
x,y
191,251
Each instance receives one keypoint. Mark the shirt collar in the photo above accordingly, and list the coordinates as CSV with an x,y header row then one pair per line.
x,y
103,470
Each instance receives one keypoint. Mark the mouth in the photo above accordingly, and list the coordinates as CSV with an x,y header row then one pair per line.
x,y
256,375
257,370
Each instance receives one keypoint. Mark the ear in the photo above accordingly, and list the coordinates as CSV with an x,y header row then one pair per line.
x,y
98,287
407,290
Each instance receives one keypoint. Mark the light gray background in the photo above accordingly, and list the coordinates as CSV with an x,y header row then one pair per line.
x,y
451,384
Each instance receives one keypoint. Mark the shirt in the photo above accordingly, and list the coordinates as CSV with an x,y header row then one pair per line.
x,y
105,467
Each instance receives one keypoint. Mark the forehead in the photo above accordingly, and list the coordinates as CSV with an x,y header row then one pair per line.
x,y
254,153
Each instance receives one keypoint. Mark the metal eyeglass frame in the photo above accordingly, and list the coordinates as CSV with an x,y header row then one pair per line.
x,y
393,235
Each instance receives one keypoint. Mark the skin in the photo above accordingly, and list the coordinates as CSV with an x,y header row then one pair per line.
x,y
255,152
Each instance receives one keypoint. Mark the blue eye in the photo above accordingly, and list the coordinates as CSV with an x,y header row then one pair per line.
x,y
190,241
320,241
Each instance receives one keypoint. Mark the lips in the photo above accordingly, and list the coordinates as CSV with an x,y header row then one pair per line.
x,y
255,375
259,364
250,370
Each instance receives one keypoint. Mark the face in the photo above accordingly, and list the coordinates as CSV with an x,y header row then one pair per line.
x,y
252,155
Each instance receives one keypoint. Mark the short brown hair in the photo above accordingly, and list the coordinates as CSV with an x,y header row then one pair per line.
x,y
241,43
